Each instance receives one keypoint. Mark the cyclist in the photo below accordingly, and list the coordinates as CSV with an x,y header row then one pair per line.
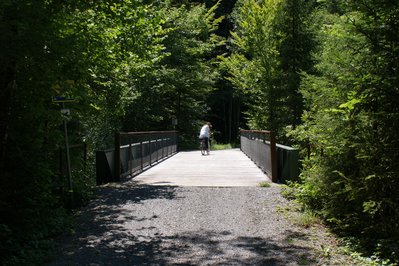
x,y
205,134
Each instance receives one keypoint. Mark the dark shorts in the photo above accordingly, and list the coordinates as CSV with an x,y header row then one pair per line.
x,y
206,140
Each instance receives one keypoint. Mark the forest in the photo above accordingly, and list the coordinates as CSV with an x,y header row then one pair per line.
x,y
322,74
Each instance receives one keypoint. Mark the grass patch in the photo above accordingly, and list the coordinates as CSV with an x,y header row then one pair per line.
x,y
220,146
303,260
264,184
216,146
306,219
298,216
288,192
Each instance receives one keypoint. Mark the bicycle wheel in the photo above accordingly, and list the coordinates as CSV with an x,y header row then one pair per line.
x,y
202,146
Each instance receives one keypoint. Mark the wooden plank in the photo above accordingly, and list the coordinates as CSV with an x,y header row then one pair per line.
x,y
223,168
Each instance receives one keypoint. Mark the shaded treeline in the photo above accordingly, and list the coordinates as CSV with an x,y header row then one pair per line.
x,y
325,76
128,65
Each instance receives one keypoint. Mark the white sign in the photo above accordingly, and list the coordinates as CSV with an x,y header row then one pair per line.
x,y
66,112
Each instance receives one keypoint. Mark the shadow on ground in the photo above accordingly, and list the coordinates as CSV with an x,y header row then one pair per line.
x,y
102,240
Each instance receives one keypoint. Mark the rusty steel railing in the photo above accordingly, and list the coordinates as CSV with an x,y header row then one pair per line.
x,y
260,147
134,151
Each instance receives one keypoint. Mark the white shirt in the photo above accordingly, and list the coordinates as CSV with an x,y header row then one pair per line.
x,y
204,132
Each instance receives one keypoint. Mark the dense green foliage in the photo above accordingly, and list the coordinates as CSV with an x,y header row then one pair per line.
x,y
178,85
271,47
352,115
129,65
328,72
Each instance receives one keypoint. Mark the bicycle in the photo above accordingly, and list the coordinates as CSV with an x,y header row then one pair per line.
x,y
203,147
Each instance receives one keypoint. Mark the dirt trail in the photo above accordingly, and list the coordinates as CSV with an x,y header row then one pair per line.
x,y
130,224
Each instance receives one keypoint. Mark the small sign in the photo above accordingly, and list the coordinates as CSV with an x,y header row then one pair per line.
x,y
61,99
66,112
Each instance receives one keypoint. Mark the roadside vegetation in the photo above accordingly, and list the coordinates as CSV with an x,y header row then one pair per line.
x,y
324,76
331,247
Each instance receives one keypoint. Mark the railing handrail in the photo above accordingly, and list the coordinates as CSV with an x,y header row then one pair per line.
x,y
256,131
146,132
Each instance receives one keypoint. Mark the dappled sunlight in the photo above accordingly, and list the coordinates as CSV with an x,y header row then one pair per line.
x,y
130,224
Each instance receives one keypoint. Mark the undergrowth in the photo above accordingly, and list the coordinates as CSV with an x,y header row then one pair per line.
x,y
220,146
361,251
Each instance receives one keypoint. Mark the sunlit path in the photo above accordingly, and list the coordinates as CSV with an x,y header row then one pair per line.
x,y
224,168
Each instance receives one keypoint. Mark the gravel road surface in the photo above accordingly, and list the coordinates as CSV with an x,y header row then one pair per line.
x,y
131,224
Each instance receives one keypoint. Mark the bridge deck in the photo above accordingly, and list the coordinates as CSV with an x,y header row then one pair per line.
x,y
225,168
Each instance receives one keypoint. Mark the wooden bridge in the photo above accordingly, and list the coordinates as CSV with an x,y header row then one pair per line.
x,y
152,158
224,168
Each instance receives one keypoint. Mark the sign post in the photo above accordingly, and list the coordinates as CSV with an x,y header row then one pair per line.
x,y
66,114
174,123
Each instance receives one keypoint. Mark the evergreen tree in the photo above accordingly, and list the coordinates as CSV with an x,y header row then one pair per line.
x,y
178,86
271,47
351,120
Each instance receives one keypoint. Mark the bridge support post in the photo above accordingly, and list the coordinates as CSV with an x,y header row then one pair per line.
x,y
117,156
273,156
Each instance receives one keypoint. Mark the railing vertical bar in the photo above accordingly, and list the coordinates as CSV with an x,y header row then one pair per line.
x,y
157,147
129,158
117,156
273,154
142,154
163,145
150,149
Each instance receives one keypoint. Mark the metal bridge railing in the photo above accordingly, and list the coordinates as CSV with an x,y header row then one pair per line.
x,y
260,147
134,152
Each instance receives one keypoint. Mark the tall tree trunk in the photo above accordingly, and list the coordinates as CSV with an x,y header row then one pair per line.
x,y
7,85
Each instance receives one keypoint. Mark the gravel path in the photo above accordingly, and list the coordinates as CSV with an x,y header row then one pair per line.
x,y
130,224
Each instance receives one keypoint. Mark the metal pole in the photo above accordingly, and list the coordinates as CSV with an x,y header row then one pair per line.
x,y
67,154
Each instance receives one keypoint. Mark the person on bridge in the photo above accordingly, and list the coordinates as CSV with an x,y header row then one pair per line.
x,y
205,134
